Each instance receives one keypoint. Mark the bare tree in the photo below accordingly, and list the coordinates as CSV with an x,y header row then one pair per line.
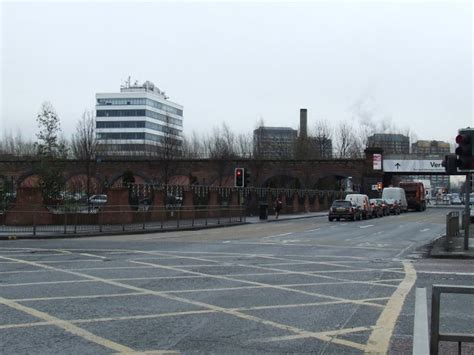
x,y
244,145
171,147
322,141
193,146
84,143
221,144
16,145
346,141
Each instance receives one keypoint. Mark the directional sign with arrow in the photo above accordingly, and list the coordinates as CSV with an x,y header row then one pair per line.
x,y
412,165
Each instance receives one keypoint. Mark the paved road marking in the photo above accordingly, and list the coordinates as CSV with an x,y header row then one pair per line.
x,y
276,236
54,298
366,226
331,246
312,230
446,273
425,230
379,340
67,326
208,306
328,333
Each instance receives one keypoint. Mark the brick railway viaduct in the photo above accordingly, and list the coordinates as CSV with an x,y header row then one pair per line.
x,y
325,174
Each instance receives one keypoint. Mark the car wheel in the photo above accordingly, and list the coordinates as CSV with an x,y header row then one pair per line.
x,y
330,219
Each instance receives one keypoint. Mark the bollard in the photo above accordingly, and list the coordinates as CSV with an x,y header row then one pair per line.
x,y
452,229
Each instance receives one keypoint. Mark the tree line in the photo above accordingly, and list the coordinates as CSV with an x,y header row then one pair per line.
x,y
344,139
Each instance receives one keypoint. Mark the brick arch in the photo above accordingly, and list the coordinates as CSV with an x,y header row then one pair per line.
x,y
140,178
283,181
329,182
78,183
30,179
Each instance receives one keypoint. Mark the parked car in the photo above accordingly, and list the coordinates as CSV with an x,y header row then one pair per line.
x,y
455,200
344,209
397,194
385,208
98,200
377,209
362,202
393,206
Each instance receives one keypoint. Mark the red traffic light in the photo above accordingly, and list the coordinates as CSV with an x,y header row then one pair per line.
x,y
239,177
462,138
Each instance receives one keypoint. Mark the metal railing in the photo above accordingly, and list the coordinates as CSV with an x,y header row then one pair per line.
x,y
436,336
39,221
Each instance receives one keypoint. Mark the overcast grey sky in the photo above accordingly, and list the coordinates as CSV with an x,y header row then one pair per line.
x,y
236,62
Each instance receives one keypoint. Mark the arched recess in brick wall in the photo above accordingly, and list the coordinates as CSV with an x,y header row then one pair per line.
x,y
30,180
78,183
330,182
116,181
283,181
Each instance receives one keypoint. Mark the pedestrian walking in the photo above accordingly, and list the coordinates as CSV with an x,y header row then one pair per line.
x,y
278,206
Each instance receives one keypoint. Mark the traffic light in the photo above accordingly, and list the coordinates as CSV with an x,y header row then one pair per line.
x,y
465,148
450,164
247,178
239,177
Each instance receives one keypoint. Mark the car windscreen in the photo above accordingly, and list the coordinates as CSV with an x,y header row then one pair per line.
x,y
341,204
394,194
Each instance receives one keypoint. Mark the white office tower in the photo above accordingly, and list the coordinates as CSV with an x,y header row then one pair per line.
x,y
138,121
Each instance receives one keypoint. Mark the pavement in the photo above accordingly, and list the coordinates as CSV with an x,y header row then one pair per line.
x,y
457,250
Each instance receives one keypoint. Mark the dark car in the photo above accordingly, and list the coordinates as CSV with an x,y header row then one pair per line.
x,y
385,208
377,208
393,206
344,209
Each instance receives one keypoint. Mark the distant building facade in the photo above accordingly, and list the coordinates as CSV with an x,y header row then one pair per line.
x,y
138,120
274,142
391,143
430,147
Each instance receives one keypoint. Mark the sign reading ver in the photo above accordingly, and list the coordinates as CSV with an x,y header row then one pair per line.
x,y
413,166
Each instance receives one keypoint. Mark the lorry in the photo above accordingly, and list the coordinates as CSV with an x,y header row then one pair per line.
x,y
428,190
415,194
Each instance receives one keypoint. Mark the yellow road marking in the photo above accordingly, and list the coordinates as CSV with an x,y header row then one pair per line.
x,y
379,340
67,326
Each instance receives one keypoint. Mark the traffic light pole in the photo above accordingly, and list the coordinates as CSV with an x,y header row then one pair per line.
x,y
467,211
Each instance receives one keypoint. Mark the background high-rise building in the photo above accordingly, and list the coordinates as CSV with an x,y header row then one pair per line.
x,y
430,147
138,120
274,142
391,143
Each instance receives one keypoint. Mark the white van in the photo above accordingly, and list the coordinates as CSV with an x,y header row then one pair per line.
x,y
397,194
362,202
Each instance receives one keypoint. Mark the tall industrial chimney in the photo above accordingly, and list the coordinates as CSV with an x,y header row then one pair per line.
x,y
303,123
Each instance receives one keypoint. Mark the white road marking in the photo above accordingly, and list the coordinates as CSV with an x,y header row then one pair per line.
x,y
446,273
366,226
277,235
313,230
425,230
223,310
